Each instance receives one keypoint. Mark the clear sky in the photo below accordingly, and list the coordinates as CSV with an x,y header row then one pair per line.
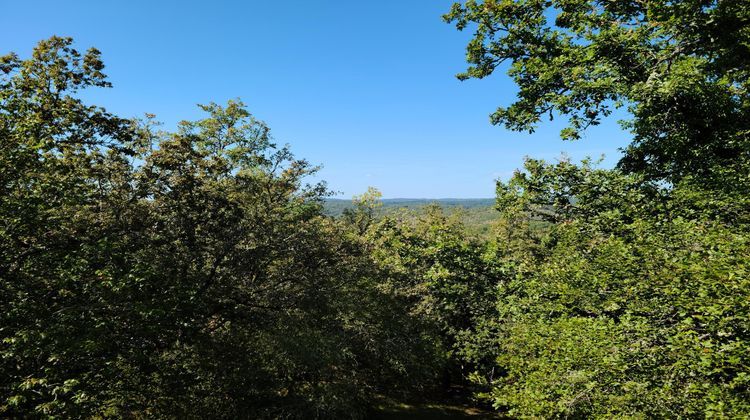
x,y
364,88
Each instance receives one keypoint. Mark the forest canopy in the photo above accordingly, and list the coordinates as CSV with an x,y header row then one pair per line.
x,y
195,272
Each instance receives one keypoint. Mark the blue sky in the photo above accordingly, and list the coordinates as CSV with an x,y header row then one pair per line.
x,y
365,89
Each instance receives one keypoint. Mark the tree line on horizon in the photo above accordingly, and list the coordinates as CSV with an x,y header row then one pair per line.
x,y
194,272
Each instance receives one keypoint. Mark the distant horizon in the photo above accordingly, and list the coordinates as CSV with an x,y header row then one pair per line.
x,y
419,198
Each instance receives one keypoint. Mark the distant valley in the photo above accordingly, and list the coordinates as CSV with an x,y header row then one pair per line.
x,y
336,206
476,214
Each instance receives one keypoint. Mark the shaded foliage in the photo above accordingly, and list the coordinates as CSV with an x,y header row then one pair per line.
x,y
194,273
189,274
624,291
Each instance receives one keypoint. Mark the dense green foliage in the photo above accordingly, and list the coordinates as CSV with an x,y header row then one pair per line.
x,y
147,273
624,293
194,273
628,303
